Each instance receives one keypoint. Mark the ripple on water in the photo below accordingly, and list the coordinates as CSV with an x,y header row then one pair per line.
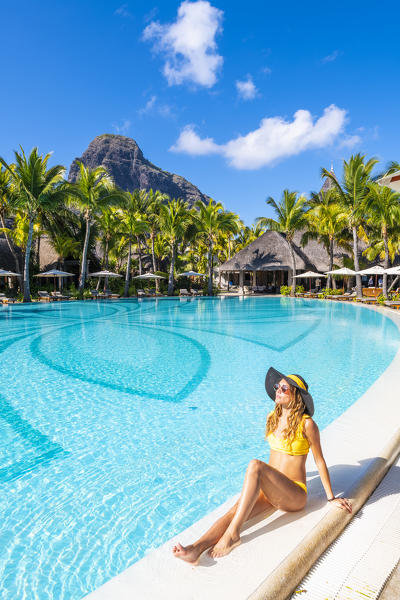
x,y
140,417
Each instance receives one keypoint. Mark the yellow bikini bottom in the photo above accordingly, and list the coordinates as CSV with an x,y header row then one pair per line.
x,y
300,484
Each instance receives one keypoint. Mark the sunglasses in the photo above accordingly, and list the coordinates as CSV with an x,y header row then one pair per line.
x,y
285,388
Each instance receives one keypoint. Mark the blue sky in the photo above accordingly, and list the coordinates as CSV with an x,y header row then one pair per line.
x,y
242,99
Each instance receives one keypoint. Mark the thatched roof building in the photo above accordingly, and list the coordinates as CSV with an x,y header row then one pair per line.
x,y
267,260
270,253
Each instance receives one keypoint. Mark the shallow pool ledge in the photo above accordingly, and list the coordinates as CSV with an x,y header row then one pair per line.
x,y
278,550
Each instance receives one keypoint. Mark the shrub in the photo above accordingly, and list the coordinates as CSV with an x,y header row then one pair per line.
x,y
329,292
299,289
381,299
285,290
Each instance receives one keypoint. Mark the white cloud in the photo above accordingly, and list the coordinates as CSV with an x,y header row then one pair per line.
x,y
274,139
331,57
266,71
349,141
148,106
190,143
189,44
152,105
246,89
123,128
123,11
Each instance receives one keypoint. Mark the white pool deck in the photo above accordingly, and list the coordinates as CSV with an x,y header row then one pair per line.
x,y
352,445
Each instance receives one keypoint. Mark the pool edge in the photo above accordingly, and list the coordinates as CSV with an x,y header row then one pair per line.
x,y
290,571
283,581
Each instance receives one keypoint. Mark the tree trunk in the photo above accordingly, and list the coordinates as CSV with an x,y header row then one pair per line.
x,y
356,263
128,270
38,252
171,272
386,261
139,255
82,278
293,266
14,254
106,265
331,281
395,280
210,268
27,291
153,256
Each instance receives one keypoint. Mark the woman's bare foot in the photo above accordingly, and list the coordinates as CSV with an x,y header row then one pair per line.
x,y
225,545
188,553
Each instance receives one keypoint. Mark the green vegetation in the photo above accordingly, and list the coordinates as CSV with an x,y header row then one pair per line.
x,y
143,231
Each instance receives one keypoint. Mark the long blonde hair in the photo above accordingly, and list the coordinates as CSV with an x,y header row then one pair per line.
x,y
297,410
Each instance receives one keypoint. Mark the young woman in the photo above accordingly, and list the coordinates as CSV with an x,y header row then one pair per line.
x,y
281,483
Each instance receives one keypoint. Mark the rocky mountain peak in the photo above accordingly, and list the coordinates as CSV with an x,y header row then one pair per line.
x,y
125,162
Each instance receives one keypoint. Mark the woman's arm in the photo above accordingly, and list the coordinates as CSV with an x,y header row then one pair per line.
x,y
312,433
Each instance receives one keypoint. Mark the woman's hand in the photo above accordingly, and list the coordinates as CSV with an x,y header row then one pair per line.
x,y
342,503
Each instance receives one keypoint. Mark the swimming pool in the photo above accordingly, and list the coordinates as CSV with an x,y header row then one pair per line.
x,y
123,422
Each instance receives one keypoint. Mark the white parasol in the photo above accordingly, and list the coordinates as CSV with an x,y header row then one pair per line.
x,y
191,274
344,271
104,274
149,276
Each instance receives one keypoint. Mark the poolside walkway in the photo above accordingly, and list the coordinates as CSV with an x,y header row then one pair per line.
x,y
363,557
263,566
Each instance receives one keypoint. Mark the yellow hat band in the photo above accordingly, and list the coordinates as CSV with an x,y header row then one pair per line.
x,y
298,381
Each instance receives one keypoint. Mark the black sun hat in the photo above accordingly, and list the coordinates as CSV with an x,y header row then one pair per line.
x,y
273,376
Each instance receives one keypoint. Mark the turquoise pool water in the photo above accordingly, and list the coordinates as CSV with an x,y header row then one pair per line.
x,y
121,423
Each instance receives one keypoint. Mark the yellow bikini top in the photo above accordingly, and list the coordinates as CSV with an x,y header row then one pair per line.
x,y
298,446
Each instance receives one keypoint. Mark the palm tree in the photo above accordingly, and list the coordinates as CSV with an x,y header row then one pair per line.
x,y
391,168
155,199
212,220
291,217
383,208
174,220
132,227
108,222
35,188
5,211
93,191
352,195
64,245
247,235
326,223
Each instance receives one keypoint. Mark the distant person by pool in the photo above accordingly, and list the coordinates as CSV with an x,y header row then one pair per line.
x,y
291,432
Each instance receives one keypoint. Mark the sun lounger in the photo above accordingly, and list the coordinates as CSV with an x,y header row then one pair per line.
x,y
345,296
6,300
94,294
184,292
393,304
109,294
44,296
141,293
58,296
368,300
197,293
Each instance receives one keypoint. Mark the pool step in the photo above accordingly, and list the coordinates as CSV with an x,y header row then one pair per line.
x,y
357,565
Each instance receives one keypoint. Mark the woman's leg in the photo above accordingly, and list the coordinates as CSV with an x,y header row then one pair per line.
x,y
191,553
278,489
